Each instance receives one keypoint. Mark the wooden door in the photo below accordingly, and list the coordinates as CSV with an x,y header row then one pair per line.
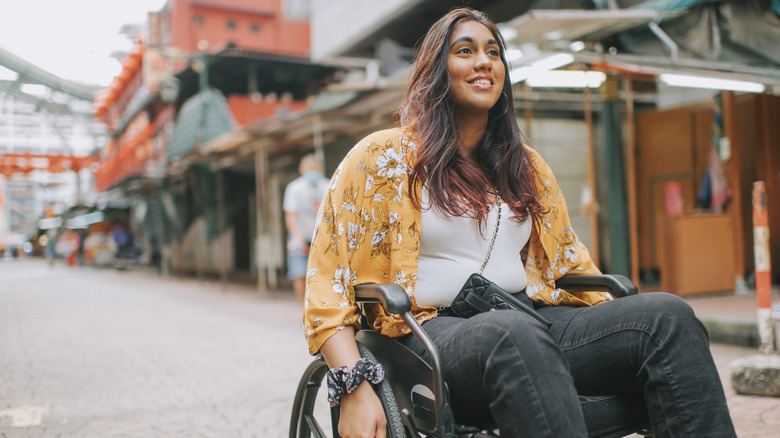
x,y
667,151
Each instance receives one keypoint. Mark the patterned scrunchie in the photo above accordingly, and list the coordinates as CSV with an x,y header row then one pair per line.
x,y
342,381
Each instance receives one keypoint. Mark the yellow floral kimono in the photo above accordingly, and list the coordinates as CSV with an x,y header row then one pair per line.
x,y
368,231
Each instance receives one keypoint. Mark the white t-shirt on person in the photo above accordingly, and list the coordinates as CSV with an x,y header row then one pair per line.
x,y
452,248
304,198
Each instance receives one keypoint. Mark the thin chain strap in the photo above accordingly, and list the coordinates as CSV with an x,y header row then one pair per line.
x,y
495,233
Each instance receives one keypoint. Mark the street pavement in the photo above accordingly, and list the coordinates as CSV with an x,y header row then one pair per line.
x,y
88,352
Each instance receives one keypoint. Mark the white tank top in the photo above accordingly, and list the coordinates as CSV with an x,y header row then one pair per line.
x,y
452,248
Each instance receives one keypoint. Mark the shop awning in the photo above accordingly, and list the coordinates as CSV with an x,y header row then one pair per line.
x,y
546,26
648,49
657,65
204,117
670,5
331,100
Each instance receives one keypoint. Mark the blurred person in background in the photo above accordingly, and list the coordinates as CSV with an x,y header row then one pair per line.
x,y
99,247
68,246
48,242
302,199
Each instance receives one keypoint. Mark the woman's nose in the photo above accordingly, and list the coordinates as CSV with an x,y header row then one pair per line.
x,y
482,62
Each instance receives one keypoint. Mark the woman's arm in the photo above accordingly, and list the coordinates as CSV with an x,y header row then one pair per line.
x,y
352,245
362,414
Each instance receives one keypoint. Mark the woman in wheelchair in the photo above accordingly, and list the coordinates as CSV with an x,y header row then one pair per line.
x,y
452,189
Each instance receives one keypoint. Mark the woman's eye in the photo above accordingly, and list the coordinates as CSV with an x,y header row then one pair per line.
x,y
493,52
464,50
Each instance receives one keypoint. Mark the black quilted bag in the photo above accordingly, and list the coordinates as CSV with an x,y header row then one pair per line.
x,y
479,295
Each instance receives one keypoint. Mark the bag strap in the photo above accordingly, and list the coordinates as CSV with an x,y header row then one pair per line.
x,y
495,233
478,302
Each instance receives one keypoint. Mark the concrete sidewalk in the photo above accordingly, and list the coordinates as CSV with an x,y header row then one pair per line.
x,y
730,318
732,322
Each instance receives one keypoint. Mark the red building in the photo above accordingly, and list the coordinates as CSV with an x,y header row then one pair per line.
x,y
259,25
203,70
255,56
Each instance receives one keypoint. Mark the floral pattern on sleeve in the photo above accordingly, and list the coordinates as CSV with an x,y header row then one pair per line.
x,y
358,234
554,250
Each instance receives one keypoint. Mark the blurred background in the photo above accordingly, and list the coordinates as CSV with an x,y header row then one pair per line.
x,y
162,133
145,147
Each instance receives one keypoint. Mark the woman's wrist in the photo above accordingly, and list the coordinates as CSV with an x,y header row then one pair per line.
x,y
362,390
342,381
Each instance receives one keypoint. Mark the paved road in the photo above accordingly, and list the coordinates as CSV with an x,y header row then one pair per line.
x,y
101,353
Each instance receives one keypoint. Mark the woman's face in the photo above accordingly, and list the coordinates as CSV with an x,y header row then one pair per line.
x,y
475,68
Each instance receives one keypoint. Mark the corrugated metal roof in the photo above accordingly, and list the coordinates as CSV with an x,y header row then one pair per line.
x,y
672,5
544,26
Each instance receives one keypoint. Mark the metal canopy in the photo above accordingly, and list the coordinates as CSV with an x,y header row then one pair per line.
x,y
12,88
350,113
236,71
32,74
545,26
654,66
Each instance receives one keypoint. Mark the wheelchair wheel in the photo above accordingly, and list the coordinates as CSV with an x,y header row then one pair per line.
x,y
306,410
395,425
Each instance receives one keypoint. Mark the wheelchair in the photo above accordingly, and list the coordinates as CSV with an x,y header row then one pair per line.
x,y
414,394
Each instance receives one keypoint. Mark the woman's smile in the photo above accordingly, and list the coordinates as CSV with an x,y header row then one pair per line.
x,y
481,82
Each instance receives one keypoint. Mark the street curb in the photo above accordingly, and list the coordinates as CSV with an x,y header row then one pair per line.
x,y
731,329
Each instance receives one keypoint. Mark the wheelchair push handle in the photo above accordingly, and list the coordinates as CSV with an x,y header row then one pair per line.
x,y
391,296
617,285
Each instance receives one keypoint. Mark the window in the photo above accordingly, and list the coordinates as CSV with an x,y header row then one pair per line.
x,y
296,9
231,25
255,28
197,20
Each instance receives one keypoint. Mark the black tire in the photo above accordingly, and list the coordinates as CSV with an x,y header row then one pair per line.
x,y
395,424
305,398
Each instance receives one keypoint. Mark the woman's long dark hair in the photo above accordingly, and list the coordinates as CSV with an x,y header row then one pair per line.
x,y
456,183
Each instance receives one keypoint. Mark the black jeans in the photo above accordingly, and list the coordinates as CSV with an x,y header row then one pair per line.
x,y
507,368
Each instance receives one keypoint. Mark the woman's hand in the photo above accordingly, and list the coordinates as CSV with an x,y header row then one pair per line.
x,y
362,415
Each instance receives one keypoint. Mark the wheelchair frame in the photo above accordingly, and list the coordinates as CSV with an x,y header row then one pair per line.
x,y
400,419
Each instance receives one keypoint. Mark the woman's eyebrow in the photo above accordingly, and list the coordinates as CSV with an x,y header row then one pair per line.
x,y
471,40
463,38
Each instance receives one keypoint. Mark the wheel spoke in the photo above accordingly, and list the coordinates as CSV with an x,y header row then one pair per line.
x,y
314,426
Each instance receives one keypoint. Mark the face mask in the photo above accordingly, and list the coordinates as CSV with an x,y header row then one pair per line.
x,y
313,176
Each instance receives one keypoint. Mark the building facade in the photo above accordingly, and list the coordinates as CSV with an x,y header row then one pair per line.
x,y
203,71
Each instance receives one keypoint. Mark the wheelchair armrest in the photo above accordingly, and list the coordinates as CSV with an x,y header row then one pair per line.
x,y
394,299
617,285
391,296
